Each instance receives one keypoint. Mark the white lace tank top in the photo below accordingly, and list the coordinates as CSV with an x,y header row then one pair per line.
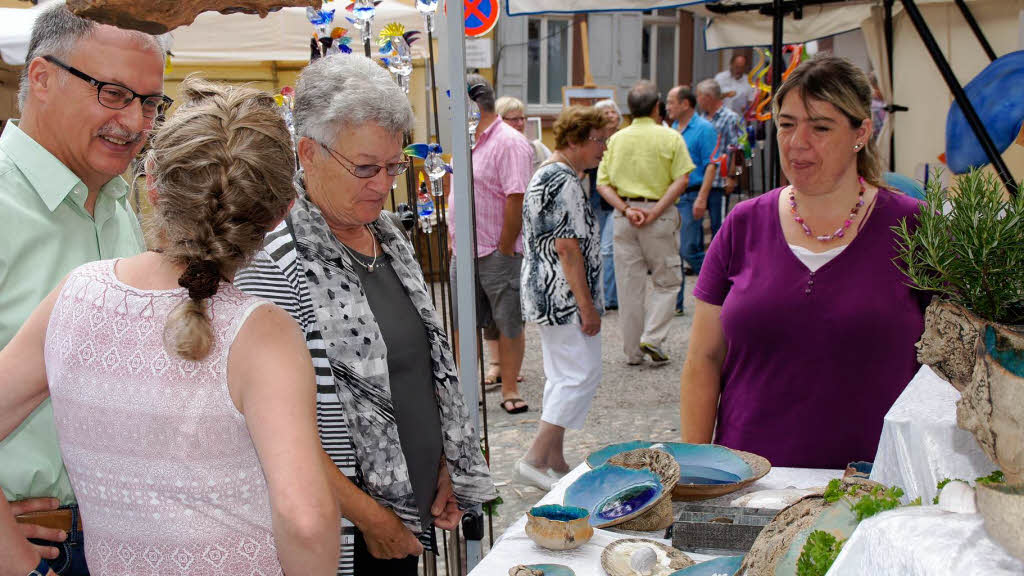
x,y
166,475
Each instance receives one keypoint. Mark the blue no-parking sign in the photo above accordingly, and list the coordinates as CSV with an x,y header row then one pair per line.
x,y
481,16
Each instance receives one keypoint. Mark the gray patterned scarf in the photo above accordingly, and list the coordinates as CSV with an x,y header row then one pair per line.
x,y
358,357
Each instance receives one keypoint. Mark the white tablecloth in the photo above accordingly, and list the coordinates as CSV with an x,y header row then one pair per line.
x,y
923,541
515,547
920,443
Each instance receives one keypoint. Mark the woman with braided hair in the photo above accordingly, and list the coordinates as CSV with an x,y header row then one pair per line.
x,y
184,407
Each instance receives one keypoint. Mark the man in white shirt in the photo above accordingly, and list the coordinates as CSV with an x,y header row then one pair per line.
x,y
736,90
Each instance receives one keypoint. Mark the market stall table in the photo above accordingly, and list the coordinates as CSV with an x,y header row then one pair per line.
x,y
515,547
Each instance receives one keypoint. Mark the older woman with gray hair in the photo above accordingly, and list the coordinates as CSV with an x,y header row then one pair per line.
x,y
390,410
603,210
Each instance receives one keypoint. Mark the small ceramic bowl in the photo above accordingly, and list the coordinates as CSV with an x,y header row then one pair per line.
x,y
557,527
1002,507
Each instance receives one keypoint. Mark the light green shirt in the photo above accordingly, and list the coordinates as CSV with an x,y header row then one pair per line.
x,y
643,159
45,232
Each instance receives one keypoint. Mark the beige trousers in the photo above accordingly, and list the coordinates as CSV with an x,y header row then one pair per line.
x,y
645,316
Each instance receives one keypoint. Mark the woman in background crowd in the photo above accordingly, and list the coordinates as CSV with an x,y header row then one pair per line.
x,y
604,210
184,407
804,329
561,288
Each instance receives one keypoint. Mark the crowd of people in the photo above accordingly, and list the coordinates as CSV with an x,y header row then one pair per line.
x,y
262,383
776,365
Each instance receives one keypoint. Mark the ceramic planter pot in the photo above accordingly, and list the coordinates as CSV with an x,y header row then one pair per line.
x,y
948,344
558,527
992,405
1002,507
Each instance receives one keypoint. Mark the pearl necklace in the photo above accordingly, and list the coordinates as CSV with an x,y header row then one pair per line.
x,y
373,264
841,231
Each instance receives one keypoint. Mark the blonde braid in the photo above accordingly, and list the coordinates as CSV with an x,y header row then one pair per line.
x,y
222,166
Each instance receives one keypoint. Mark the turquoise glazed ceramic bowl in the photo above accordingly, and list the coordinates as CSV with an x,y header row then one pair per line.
x,y
614,494
558,527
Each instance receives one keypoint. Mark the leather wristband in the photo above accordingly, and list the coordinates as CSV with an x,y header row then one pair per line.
x,y
41,570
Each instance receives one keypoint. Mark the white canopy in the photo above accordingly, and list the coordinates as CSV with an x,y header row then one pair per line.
x,y
521,7
751,28
213,37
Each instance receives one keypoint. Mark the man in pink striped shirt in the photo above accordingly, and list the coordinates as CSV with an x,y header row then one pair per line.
x,y
502,165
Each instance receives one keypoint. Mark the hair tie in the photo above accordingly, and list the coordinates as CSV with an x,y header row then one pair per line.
x,y
201,278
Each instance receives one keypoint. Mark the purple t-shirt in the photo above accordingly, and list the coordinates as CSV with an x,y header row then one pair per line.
x,y
815,359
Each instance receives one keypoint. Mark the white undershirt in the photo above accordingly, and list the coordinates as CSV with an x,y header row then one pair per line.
x,y
815,260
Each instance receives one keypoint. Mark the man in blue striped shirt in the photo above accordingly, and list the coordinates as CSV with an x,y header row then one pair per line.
x,y
700,138
729,126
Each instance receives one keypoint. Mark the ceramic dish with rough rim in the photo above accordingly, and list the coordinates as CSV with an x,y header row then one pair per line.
x,y
552,569
759,466
616,564
706,470
614,494
729,565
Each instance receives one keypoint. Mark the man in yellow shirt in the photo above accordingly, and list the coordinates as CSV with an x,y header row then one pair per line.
x,y
643,172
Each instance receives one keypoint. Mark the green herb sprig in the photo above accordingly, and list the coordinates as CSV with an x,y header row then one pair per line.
x,y
819,553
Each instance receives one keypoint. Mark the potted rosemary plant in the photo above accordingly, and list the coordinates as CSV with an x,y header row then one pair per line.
x,y
967,250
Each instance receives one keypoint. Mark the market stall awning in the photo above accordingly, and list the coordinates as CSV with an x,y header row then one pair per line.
x,y
725,29
214,38
752,28
282,35
522,7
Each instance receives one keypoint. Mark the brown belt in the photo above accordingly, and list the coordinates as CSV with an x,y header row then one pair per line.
x,y
56,519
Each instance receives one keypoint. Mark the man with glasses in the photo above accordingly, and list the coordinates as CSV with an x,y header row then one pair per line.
x,y
502,167
89,95
642,173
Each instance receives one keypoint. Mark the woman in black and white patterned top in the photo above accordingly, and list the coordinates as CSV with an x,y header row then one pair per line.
x,y
561,287
391,416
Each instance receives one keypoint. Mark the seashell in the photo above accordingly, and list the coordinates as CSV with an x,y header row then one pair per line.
x,y
643,560
618,558
559,527
957,497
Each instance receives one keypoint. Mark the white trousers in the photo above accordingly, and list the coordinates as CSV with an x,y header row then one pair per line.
x,y
572,366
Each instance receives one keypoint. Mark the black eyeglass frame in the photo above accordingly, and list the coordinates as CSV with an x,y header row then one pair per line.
x,y
165,101
399,168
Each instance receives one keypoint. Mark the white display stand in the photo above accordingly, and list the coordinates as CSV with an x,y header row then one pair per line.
x,y
921,444
923,541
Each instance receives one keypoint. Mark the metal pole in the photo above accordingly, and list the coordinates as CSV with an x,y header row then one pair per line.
x,y
976,29
462,190
892,87
433,85
778,64
960,96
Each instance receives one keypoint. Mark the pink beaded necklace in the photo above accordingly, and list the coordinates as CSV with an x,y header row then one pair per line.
x,y
841,231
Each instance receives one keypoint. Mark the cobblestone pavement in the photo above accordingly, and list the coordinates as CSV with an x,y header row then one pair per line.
x,y
632,402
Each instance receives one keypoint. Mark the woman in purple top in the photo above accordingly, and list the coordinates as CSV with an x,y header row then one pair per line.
x,y
804,329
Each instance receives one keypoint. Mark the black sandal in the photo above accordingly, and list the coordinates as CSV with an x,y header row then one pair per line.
x,y
514,409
